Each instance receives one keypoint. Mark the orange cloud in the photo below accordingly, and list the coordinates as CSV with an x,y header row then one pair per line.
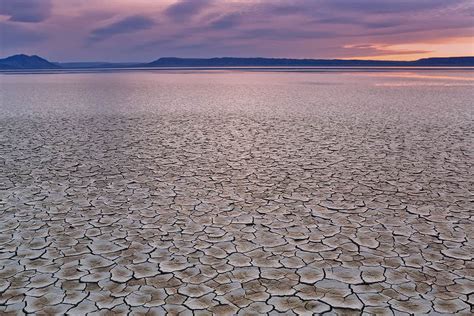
x,y
461,46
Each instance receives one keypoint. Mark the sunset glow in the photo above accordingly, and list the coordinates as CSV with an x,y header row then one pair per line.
x,y
143,30
463,46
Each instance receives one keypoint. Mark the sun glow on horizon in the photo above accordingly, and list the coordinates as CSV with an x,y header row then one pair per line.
x,y
451,47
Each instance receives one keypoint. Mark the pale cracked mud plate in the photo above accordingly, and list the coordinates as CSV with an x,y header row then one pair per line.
x,y
251,194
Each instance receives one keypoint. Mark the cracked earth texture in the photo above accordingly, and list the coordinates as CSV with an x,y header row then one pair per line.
x,y
225,193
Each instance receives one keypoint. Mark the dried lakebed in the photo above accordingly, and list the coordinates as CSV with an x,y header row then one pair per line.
x,y
236,193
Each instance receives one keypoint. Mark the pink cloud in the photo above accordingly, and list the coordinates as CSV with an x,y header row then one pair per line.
x,y
142,30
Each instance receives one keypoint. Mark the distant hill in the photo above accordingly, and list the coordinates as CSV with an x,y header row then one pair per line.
x,y
26,62
261,62
446,61
285,62
36,62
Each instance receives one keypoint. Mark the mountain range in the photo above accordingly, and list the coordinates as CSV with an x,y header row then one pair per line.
x,y
19,62
26,62
285,62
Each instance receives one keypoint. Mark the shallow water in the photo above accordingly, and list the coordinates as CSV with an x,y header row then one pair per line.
x,y
223,92
237,191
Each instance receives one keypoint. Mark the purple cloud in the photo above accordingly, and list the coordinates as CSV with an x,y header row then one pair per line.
x,y
185,9
388,6
207,28
227,21
26,10
128,25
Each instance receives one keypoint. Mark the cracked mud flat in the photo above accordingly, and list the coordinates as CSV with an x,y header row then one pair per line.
x,y
236,193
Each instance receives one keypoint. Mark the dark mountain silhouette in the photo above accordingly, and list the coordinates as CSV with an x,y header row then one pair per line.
x,y
284,62
263,62
26,62
36,62
446,61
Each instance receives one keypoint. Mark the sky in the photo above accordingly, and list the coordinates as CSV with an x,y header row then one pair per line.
x,y
144,30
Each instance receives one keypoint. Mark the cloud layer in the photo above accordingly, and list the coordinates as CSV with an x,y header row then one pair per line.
x,y
26,10
127,25
142,30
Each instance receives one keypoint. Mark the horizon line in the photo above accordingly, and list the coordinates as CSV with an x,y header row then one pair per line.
x,y
240,57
